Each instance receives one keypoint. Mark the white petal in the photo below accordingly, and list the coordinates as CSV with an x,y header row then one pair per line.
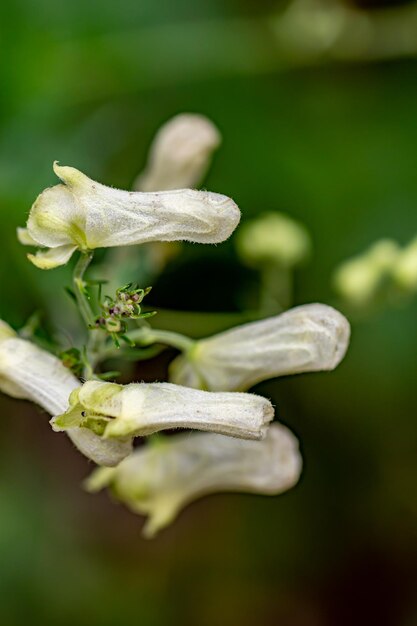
x,y
85,214
54,257
25,238
57,218
305,339
104,452
159,480
39,376
115,217
141,409
180,154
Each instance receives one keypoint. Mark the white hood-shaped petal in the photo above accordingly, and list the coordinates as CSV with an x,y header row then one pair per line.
x,y
30,373
180,154
84,214
307,338
141,409
159,480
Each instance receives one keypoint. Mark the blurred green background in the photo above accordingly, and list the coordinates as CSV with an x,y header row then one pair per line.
x,y
322,126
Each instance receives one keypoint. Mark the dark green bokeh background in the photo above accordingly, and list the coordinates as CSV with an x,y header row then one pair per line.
x,y
334,145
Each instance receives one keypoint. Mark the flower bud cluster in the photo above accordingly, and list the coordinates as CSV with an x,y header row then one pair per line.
x,y
126,305
385,265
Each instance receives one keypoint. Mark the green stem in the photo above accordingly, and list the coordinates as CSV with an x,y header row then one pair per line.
x,y
276,289
93,347
79,287
144,337
148,336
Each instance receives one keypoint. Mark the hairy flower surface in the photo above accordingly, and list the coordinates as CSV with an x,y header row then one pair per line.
x,y
307,338
30,373
159,480
180,153
83,214
138,409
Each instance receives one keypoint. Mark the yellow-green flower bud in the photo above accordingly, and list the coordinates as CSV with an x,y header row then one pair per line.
x,y
83,214
404,271
358,279
305,339
138,409
180,154
273,238
159,480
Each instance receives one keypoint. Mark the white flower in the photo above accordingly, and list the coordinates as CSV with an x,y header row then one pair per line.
x,y
159,480
139,409
84,214
28,372
273,238
305,339
180,153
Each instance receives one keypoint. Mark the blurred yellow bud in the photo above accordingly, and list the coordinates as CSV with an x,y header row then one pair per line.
x,y
138,409
180,154
305,339
357,280
404,271
83,214
273,238
159,480
30,373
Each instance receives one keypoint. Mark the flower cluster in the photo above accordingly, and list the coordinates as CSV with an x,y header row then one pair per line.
x,y
239,449
384,271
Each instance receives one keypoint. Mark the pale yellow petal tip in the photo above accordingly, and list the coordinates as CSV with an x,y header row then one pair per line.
x,y
162,516
55,257
25,238
55,423
69,175
98,479
6,331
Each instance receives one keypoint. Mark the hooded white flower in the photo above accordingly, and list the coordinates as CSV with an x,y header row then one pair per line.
x,y
28,372
159,480
84,214
305,339
180,153
138,409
